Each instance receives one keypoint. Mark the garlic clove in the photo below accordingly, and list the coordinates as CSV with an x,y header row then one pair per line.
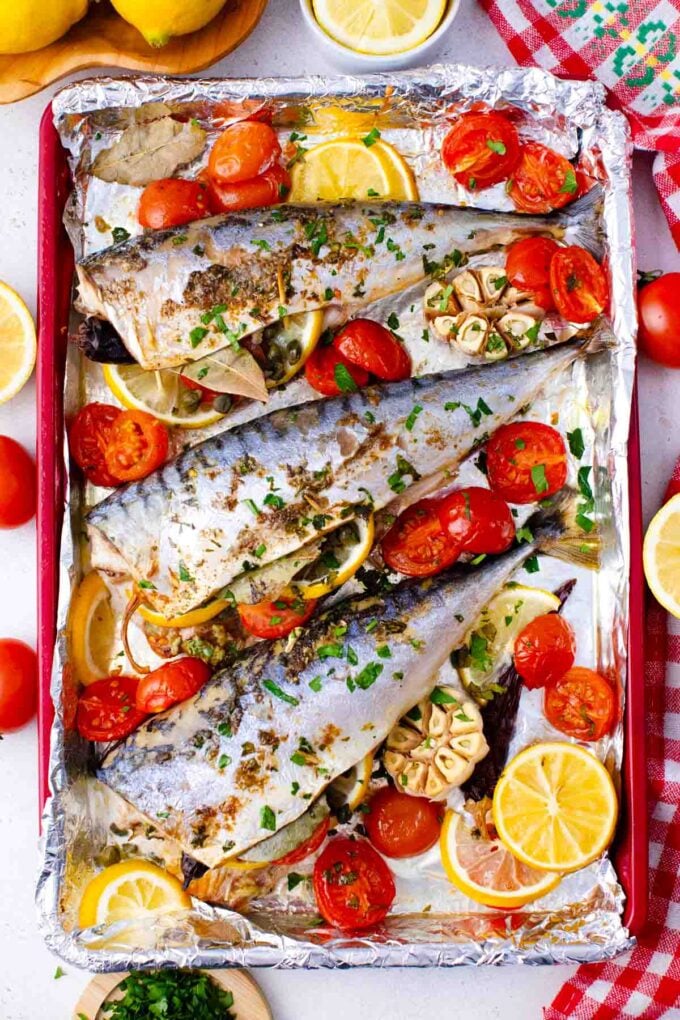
x,y
496,348
468,291
403,738
515,326
471,746
454,768
492,282
446,327
472,331
439,299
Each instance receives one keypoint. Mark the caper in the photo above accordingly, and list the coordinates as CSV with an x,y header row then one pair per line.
x,y
293,351
222,403
190,399
109,855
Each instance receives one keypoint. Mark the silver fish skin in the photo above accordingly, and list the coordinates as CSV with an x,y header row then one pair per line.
x,y
154,289
186,530
246,755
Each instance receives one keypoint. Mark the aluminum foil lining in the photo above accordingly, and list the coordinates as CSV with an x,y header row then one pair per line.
x,y
432,924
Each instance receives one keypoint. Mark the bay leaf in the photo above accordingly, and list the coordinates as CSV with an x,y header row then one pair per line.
x,y
148,152
230,370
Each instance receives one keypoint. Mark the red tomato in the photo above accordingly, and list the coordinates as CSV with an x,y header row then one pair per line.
x,y
659,311
137,445
581,704
107,710
171,202
17,484
373,347
18,684
543,180
526,461
353,886
275,619
402,826
173,682
267,189
88,439
244,150
528,267
329,372
481,149
578,284
308,847
417,544
478,520
544,650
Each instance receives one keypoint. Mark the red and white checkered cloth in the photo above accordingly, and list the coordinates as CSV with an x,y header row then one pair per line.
x,y
631,46
645,983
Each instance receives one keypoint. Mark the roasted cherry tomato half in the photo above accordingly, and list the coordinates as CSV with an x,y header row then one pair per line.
x,y
399,825
528,267
18,684
137,445
275,619
244,150
417,544
544,650
17,484
542,180
88,439
526,461
659,313
107,709
353,886
329,372
374,348
309,846
477,519
172,202
481,149
581,704
267,189
578,284
171,683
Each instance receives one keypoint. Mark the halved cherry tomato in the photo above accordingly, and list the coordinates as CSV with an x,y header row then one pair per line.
x,y
578,284
275,619
481,149
526,461
353,886
581,704
329,372
659,313
308,847
137,445
542,180
477,519
417,544
171,683
267,189
88,439
17,484
544,650
528,267
107,709
371,346
172,202
244,150
402,826
18,684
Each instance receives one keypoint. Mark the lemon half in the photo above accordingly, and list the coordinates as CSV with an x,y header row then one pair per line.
x,y
661,556
129,890
17,342
91,629
348,168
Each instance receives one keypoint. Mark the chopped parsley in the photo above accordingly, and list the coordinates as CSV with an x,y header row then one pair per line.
x,y
184,574
393,321
176,994
328,294
570,185
496,146
294,880
531,565
271,499
224,760
146,584
330,651
576,444
475,414
368,675
371,138
315,684
538,478
267,819
317,233
274,689
343,379
384,652
413,415
119,234
262,244
253,507
396,479
441,697
197,334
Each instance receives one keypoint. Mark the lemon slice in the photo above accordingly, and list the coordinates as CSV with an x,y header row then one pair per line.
x,y
349,790
17,343
483,869
661,556
341,555
129,890
91,629
347,168
160,393
290,344
491,640
379,26
555,807
191,619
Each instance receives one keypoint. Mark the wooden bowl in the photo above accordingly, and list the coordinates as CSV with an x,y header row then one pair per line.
x,y
249,1002
103,39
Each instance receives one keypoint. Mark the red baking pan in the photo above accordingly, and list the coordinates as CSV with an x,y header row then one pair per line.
x,y
55,272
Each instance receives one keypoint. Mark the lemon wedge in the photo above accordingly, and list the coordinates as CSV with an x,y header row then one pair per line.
x,y
129,890
290,345
379,26
349,168
17,343
161,393
91,629
661,556
349,790
341,555
555,807
191,619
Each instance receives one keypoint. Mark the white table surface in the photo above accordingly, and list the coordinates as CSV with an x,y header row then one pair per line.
x,y
28,990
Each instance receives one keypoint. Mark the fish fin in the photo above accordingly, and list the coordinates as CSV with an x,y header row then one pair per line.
x,y
581,222
596,337
556,531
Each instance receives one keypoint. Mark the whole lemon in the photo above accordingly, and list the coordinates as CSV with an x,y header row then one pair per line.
x,y
27,25
159,20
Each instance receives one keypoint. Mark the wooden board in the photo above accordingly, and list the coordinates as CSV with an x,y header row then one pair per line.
x,y
104,39
249,1002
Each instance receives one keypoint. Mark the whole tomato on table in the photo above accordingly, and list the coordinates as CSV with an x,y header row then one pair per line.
x,y
18,684
17,484
659,315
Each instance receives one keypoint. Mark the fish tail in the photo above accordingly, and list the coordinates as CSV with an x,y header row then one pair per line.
x,y
581,222
556,531
597,337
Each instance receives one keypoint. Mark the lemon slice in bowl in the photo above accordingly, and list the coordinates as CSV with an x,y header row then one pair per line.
x,y
17,343
379,26
161,393
342,553
91,629
128,890
661,556
349,790
348,168
555,807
